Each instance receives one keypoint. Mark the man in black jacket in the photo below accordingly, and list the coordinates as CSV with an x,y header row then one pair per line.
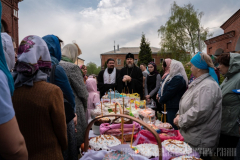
x,y
131,77
108,78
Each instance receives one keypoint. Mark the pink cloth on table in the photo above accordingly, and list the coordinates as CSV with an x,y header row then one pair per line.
x,y
116,128
94,96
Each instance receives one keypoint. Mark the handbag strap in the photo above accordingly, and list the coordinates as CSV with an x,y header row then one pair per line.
x,y
52,75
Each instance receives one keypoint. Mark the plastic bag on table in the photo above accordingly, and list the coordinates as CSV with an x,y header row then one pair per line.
x,y
146,113
115,129
145,136
151,104
175,134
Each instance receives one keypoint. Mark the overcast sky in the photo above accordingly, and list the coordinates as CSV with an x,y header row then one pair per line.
x,y
95,24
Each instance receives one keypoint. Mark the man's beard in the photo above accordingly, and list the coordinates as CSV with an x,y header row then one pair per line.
x,y
130,65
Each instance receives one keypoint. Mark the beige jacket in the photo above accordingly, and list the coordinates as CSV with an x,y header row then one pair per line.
x,y
200,111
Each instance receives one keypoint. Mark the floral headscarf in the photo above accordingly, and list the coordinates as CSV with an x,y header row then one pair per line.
x,y
33,63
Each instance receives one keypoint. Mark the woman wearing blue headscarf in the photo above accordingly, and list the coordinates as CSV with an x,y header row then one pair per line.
x,y
200,108
12,143
61,80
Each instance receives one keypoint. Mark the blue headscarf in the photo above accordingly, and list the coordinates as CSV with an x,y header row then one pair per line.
x,y
53,47
198,62
3,64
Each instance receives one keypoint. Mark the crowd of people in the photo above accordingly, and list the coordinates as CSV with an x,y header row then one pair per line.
x,y
46,99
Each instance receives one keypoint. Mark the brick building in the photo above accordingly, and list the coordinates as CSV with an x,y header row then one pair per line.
x,y
9,18
229,41
119,55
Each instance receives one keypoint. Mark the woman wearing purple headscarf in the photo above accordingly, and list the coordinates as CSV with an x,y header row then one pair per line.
x,y
152,85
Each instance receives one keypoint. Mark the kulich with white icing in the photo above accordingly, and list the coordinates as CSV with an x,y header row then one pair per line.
x,y
103,142
186,158
177,147
148,150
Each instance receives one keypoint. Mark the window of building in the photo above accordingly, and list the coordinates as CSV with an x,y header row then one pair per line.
x,y
2,29
136,61
15,13
118,61
161,60
153,60
209,50
228,45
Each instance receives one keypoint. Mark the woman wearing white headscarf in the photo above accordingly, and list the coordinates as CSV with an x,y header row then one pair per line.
x,y
8,50
173,87
69,56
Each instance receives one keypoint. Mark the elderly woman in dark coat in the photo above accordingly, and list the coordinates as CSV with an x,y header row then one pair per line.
x,y
69,56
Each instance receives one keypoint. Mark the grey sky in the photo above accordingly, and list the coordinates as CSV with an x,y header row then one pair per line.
x,y
95,24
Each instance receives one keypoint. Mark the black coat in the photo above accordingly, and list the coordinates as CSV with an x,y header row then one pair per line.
x,y
136,84
103,88
173,91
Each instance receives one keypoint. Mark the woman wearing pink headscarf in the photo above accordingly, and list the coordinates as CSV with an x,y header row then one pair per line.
x,y
93,98
166,69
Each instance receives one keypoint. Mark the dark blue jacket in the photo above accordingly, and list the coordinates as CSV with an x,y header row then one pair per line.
x,y
61,79
62,82
173,91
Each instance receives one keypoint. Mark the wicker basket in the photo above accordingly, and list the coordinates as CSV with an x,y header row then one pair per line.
x,y
86,143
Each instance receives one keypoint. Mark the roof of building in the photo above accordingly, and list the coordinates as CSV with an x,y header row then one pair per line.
x,y
220,37
230,20
80,58
133,50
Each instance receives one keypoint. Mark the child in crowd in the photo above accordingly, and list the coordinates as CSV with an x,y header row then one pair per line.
x,y
93,98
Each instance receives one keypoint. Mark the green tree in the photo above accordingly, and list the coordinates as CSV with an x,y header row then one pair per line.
x,y
145,54
182,32
105,65
92,68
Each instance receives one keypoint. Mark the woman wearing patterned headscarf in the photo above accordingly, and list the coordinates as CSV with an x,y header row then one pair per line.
x,y
38,105
69,56
152,84
12,143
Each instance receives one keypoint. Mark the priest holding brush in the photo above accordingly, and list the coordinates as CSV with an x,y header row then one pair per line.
x,y
108,78
132,77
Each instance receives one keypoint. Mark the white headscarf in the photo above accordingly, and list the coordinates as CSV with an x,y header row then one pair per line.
x,y
176,68
8,50
70,51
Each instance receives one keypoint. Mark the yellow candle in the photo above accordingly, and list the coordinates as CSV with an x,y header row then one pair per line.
x,y
101,109
145,104
132,134
122,122
123,105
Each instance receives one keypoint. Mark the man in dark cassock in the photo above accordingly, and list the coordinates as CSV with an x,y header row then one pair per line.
x,y
132,77
108,78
